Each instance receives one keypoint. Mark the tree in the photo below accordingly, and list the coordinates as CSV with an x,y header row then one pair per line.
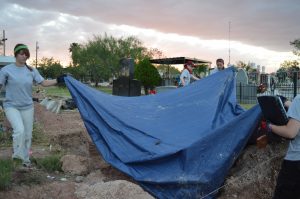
x,y
147,74
50,68
164,69
247,67
201,68
155,53
287,68
100,56
296,44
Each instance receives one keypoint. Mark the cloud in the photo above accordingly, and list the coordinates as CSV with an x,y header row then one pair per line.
x,y
260,31
270,24
53,31
179,45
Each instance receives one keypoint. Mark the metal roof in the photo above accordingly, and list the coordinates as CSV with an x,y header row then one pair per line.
x,y
178,60
5,60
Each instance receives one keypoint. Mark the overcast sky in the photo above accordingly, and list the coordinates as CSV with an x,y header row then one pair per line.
x,y
260,29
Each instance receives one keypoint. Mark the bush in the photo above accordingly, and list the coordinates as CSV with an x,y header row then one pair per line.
x,y
38,137
6,168
50,163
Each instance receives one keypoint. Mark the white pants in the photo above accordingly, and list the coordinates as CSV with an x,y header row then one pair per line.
x,y
22,124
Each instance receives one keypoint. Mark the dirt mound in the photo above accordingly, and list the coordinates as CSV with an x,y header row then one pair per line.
x,y
45,191
66,129
255,172
119,189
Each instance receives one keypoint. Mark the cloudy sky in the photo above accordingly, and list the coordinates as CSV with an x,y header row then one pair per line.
x,y
260,29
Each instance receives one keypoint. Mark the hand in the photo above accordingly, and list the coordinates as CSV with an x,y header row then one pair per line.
x,y
283,99
268,127
61,79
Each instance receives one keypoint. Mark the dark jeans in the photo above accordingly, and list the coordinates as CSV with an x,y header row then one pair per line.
x,y
288,181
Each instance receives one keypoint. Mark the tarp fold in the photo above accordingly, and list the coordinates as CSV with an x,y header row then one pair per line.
x,y
176,144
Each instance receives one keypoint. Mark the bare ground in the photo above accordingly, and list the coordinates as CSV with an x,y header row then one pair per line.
x,y
66,133
252,176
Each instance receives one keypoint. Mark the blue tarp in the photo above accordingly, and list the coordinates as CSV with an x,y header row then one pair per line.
x,y
176,144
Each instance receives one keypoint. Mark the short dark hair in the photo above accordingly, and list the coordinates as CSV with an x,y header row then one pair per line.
x,y
21,47
220,60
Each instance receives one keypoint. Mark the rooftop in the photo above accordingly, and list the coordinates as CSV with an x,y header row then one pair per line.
x,y
179,60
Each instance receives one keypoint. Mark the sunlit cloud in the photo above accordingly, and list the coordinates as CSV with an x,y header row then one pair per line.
x,y
55,28
180,45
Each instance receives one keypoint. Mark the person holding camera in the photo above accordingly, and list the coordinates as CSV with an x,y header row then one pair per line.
x,y
288,181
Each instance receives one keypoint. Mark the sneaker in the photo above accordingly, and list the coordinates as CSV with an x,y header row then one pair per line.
x,y
28,165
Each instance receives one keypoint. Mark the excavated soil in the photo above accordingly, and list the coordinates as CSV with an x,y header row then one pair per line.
x,y
252,176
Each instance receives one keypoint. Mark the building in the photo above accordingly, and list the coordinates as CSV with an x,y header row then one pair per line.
x,y
5,60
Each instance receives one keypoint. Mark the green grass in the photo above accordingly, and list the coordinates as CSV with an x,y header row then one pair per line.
x,y
38,137
6,169
5,139
107,90
50,163
10,173
64,92
57,91
247,106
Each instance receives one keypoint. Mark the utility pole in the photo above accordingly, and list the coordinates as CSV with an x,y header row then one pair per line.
x,y
36,52
3,41
229,42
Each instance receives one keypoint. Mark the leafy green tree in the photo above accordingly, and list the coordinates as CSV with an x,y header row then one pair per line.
x,y
100,56
164,69
147,74
155,53
296,44
201,68
287,68
281,74
50,68
247,67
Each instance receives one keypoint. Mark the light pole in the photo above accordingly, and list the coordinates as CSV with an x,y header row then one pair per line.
x,y
36,52
229,42
3,41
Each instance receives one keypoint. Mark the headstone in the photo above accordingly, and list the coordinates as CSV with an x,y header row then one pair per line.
x,y
125,85
127,67
264,79
242,76
246,93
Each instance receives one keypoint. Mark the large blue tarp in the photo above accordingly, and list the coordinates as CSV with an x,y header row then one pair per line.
x,y
176,144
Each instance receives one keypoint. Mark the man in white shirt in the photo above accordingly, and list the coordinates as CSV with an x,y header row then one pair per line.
x,y
187,74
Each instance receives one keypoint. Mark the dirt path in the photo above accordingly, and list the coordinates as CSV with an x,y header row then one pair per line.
x,y
66,134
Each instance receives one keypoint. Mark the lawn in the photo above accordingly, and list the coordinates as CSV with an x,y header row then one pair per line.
x,y
247,106
64,92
